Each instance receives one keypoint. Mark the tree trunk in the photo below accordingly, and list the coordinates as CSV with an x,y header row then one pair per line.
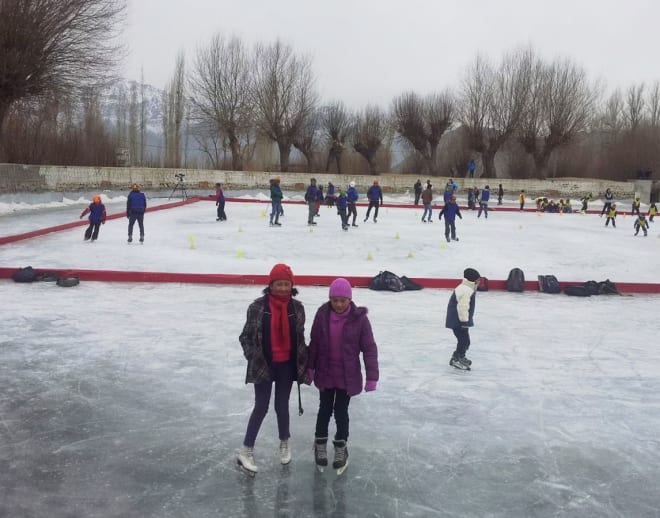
x,y
4,108
488,159
285,151
236,157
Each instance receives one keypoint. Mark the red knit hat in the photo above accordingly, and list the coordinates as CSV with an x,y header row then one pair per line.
x,y
280,272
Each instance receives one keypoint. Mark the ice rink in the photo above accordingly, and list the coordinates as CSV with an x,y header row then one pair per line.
x,y
128,400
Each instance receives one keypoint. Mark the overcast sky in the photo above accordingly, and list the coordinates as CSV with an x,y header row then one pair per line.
x,y
372,50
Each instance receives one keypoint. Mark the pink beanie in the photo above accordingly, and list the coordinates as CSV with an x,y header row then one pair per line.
x,y
341,288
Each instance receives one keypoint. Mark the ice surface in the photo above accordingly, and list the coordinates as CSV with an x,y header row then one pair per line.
x,y
121,400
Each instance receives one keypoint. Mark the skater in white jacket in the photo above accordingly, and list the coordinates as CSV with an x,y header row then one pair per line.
x,y
460,313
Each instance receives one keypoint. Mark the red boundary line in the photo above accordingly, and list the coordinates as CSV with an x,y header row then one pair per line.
x,y
301,280
220,278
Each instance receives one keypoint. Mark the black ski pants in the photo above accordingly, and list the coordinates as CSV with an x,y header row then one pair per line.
x,y
333,401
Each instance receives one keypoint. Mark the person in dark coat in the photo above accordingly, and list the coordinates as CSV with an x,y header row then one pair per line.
x,y
220,202
418,190
609,199
352,196
340,333
96,211
342,209
460,316
375,197
450,211
483,204
311,197
273,342
275,202
427,198
136,206
500,194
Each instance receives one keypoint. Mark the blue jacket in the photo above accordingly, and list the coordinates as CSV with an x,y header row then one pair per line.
x,y
219,195
136,201
275,192
375,193
96,213
342,201
352,195
485,195
450,211
331,190
312,193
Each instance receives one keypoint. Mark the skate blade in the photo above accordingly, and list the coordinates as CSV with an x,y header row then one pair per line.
x,y
341,470
244,470
320,469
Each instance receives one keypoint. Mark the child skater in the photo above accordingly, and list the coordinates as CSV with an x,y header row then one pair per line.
x,y
652,211
342,208
460,312
96,211
220,202
340,332
641,224
273,342
611,215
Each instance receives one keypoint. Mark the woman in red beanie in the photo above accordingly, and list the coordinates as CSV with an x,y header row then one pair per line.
x,y
341,331
273,341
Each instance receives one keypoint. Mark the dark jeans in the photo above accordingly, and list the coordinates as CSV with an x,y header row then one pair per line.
x,y
282,374
311,211
221,211
343,216
417,195
606,207
351,211
136,216
372,204
276,211
92,231
483,207
330,400
462,334
450,227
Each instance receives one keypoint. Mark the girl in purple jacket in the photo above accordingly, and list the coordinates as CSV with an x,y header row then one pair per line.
x,y
341,331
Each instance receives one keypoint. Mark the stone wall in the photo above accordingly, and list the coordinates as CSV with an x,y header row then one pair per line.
x,y
27,178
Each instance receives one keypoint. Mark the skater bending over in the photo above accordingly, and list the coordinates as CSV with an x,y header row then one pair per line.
x,y
460,313
96,211
273,342
340,332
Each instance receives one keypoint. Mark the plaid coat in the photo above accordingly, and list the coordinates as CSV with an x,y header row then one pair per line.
x,y
255,340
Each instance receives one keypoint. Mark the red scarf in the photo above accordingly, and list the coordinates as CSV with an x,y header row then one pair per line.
x,y
280,334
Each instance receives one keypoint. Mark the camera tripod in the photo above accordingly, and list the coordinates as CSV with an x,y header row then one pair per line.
x,y
181,187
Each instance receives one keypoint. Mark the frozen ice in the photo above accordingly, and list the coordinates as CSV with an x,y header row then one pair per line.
x,y
128,400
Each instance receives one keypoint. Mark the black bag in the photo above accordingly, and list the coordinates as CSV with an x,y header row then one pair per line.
x,y
516,280
386,281
27,274
549,284
577,291
607,287
410,285
591,287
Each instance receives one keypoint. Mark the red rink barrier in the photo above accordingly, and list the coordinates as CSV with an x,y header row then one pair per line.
x,y
301,280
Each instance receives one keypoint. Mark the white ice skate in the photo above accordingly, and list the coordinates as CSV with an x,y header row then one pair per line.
x,y
246,462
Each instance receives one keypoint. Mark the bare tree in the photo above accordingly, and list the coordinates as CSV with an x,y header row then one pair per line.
x,y
653,103
561,104
308,137
370,130
177,106
335,123
422,122
221,85
284,95
634,109
493,103
612,117
54,46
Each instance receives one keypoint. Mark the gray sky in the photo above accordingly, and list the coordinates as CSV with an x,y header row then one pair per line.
x,y
369,51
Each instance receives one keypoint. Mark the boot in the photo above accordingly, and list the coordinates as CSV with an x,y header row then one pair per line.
x,y
321,451
341,454
246,459
285,452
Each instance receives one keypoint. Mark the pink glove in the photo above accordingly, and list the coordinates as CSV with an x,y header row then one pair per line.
x,y
309,376
370,385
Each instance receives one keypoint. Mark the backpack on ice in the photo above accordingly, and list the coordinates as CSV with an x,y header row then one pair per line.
x,y
549,284
386,281
577,291
410,285
27,274
516,280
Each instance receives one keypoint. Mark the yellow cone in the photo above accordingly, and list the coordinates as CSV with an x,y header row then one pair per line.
x,y
191,239
410,255
443,245
239,253
370,257
263,214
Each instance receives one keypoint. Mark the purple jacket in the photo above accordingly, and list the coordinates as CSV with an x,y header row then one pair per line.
x,y
358,338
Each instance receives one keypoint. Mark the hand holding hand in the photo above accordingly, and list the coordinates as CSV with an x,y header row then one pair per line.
x,y
370,385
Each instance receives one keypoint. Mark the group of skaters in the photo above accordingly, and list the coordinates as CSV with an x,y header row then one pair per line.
x,y
136,205
273,343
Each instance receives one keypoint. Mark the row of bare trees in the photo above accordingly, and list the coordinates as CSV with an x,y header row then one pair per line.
x,y
234,99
